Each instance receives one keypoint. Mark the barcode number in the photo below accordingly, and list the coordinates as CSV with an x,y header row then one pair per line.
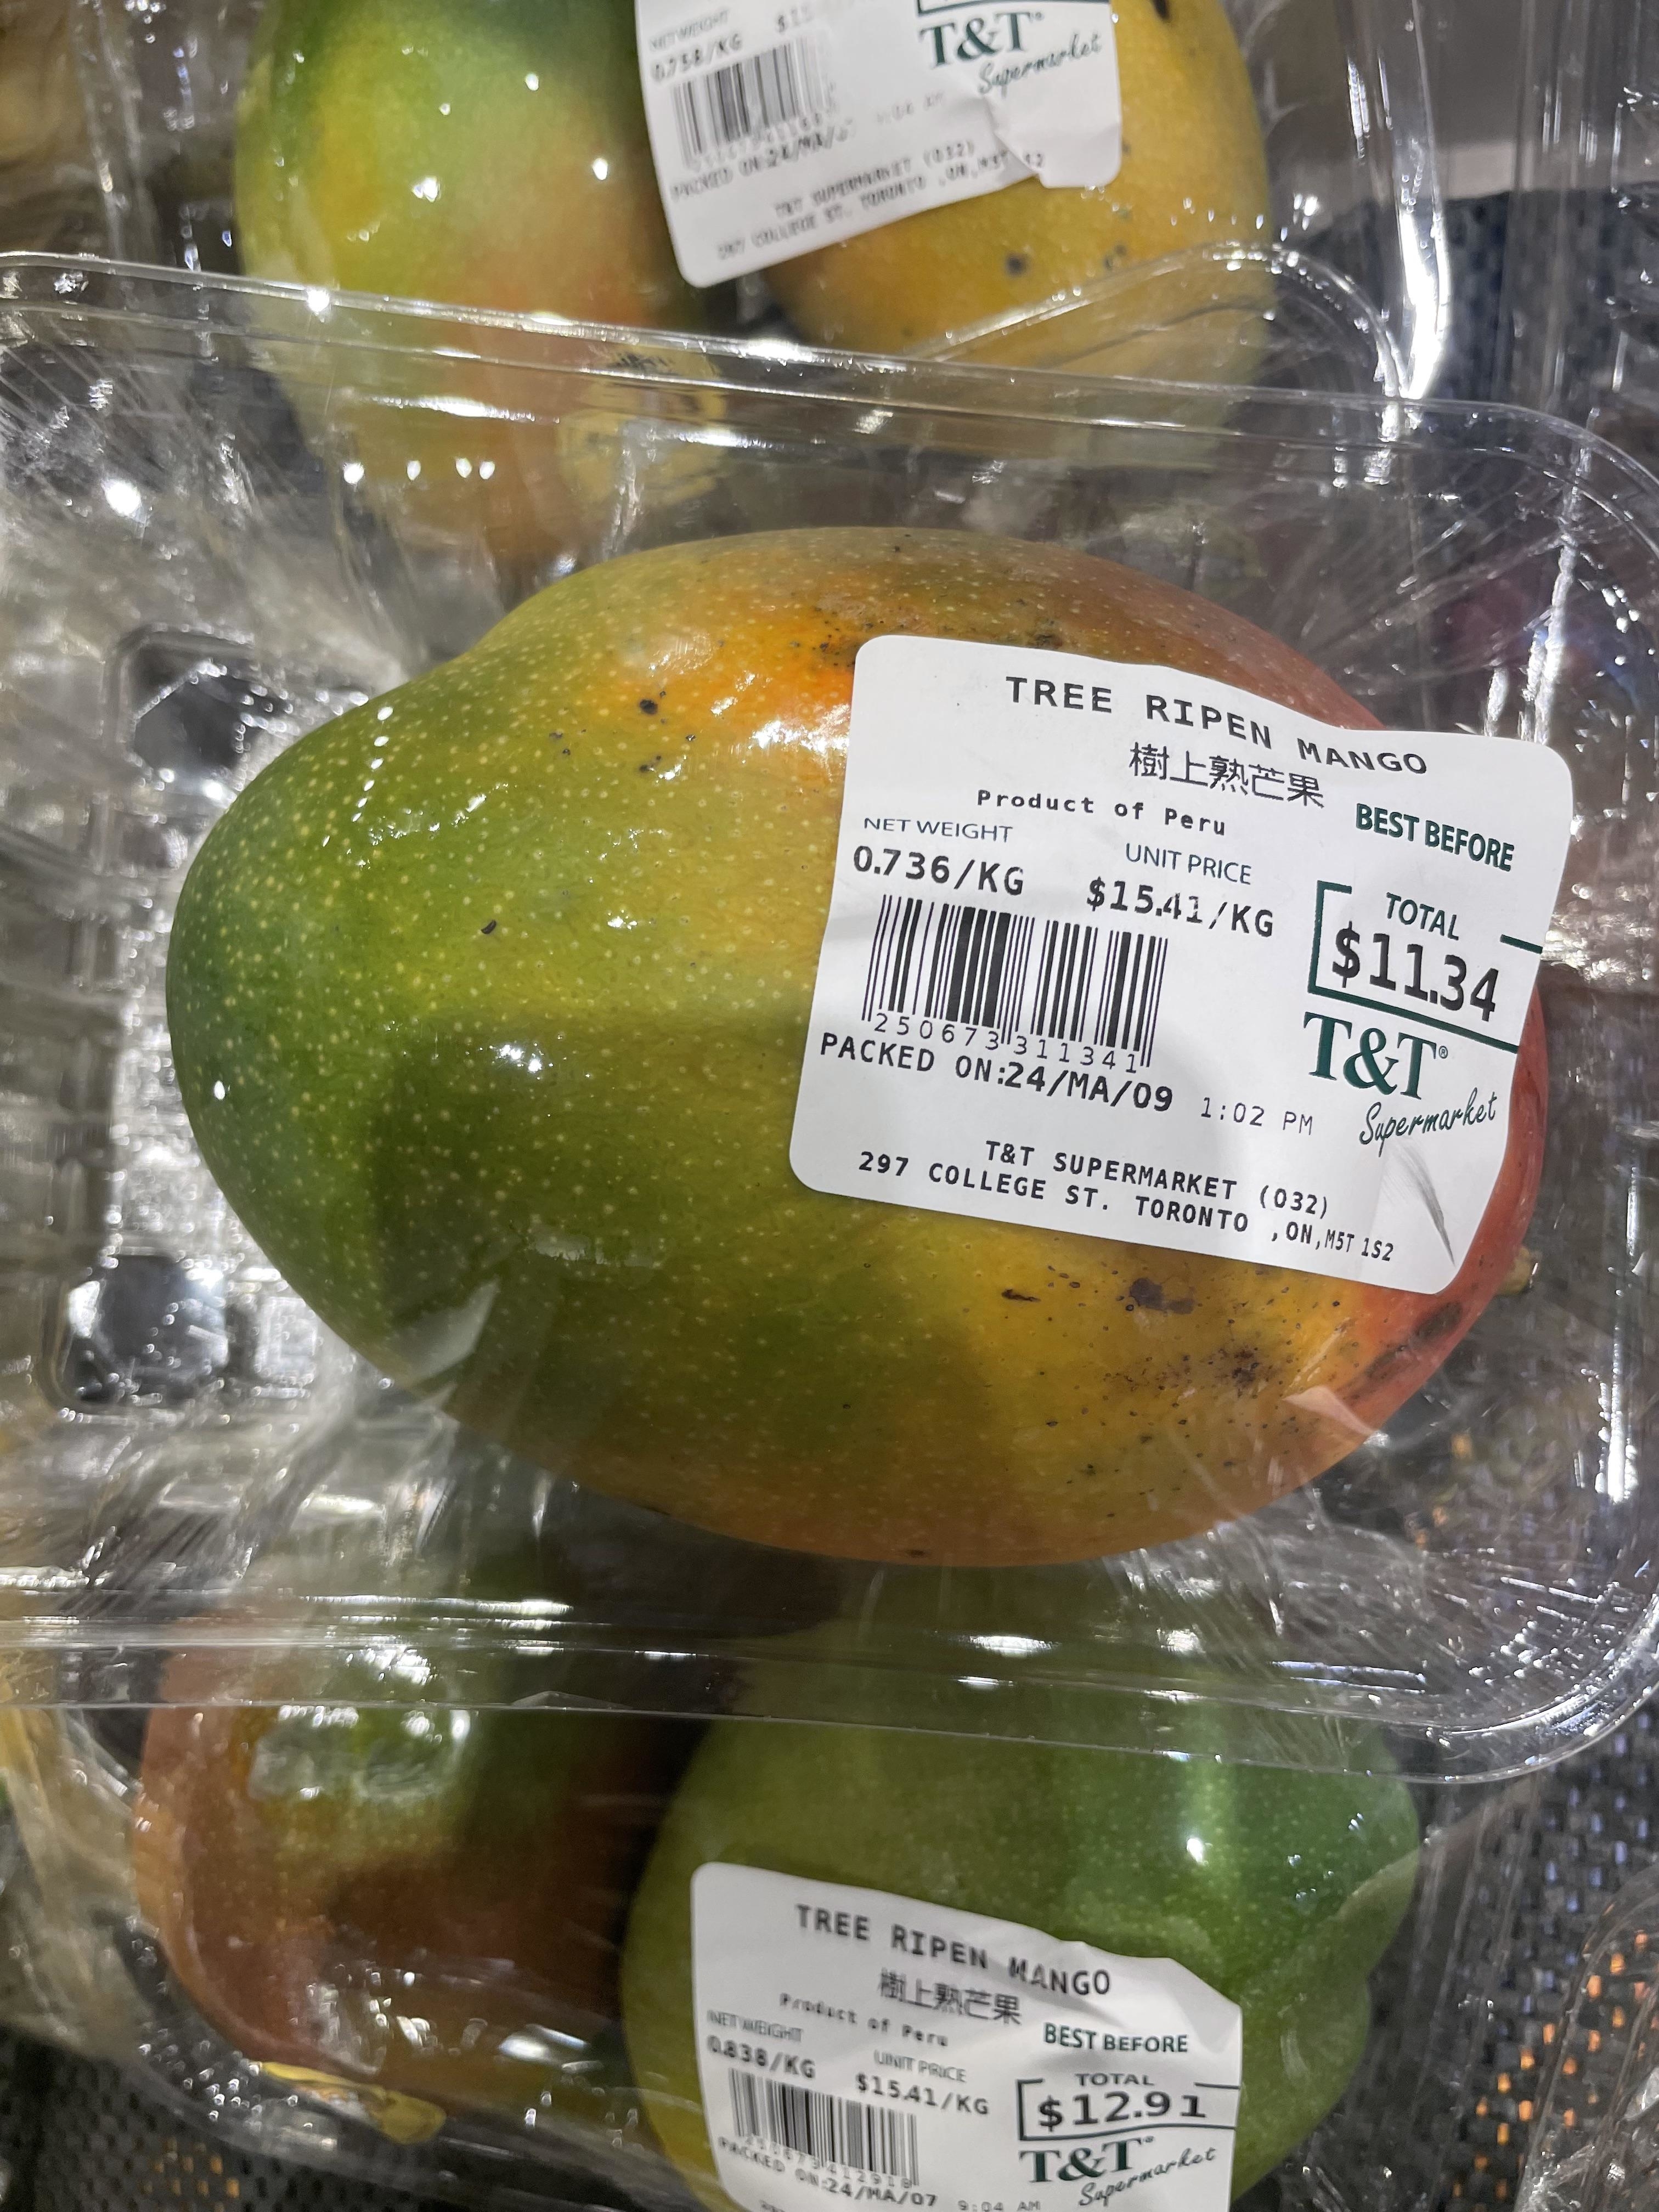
x,y
838,2130
1014,972
746,99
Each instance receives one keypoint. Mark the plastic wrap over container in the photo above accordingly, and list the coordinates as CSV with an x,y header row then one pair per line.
x,y
1244,316
407,2015
1340,89
234,512
1579,299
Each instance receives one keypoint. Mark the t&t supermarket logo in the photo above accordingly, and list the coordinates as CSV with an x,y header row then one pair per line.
x,y
954,35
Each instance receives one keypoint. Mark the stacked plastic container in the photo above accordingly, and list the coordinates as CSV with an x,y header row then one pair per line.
x,y
405,1781
1576,339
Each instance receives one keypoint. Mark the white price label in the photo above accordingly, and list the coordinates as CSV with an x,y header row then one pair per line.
x,y
781,125
1121,951
894,2052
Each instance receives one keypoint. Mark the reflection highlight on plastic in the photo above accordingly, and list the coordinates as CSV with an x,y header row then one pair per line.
x,y
1633,1329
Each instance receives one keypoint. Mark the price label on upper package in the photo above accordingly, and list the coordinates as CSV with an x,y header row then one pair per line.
x,y
854,2044
1129,953
781,125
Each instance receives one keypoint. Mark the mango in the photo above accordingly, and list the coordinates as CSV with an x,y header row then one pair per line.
x,y
488,1002
423,1902
1280,1889
1192,174
492,153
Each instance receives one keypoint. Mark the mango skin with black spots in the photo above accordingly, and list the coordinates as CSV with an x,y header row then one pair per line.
x,y
1280,1889
489,1003
1192,174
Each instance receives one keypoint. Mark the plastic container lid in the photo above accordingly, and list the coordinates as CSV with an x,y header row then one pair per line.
x,y
1341,87
1266,316
89,1976
191,1462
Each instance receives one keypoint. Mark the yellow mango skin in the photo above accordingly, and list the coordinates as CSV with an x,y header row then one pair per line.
x,y
489,1003
1192,174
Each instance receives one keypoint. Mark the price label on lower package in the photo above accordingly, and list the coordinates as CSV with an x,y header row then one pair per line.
x,y
855,2044
781,125
1129,953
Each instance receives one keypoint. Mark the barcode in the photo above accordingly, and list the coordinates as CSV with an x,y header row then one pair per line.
x,y
1015,973
838,2130
745,99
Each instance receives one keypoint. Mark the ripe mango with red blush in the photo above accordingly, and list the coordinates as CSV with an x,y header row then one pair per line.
x,y
488,1002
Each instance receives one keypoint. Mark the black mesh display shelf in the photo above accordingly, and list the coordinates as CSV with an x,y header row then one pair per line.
x,y
1477,232
1597,1828
25,2071
104,2147
1580,307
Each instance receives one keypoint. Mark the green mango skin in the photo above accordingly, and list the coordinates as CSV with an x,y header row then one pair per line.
x,y
489,1003
491,153
1301,1884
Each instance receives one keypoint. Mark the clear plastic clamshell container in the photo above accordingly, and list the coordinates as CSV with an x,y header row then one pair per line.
x,y
1341,89
1580,325
551,2114
1263,317
231,511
